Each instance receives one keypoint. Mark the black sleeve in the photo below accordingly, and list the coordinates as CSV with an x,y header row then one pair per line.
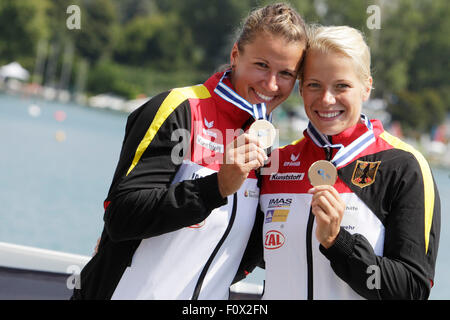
x,y
253,254
142,201
406,269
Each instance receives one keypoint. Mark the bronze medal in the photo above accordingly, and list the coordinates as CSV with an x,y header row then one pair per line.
x,y
322,172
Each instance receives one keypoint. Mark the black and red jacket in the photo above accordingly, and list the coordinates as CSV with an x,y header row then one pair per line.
x,y
389,236
168,232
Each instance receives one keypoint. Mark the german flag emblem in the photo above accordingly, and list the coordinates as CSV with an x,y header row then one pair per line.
x,y
364,173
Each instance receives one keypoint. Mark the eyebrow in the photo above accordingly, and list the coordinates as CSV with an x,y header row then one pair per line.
x,y
291,71
267,62
338,80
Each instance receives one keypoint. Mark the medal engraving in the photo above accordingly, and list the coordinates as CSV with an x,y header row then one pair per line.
x,y
322,173
264,131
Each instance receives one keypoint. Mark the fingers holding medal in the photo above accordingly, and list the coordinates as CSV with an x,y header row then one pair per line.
x,y
240,157
326,204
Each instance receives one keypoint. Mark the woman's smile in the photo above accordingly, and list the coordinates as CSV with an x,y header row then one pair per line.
x,y
329,115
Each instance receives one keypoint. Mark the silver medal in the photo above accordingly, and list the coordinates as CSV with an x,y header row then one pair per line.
x,y
264,131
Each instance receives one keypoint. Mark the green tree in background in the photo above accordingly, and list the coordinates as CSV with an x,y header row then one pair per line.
x,y
213,25
130,9
157,41
397,42
351,13
56,19
429,66
411,62
22,23
435,107
145,46
99,23
417,111
407,107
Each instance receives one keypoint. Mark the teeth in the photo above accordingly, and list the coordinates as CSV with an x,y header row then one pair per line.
x,y
265,98
329,114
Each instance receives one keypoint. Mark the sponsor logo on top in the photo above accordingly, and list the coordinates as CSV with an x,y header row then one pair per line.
x,y
209,125
276,215
274,240
208,132
288,176
280,203
293,162
205,143
350,220
251,193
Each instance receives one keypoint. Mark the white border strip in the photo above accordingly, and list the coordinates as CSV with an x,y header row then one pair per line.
x,y
30,258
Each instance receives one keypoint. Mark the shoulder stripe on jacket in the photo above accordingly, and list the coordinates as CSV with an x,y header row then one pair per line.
x,y
427,180
293,143
172,101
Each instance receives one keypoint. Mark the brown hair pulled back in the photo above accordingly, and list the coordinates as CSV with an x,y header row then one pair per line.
x,y
277,19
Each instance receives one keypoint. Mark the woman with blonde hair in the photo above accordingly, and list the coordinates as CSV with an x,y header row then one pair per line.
x,y
361,216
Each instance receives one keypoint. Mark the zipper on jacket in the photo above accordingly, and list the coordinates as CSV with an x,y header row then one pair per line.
x,y
198,287
309,235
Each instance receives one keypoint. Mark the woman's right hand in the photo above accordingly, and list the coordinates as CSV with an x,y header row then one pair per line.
x,y
328,208
241,156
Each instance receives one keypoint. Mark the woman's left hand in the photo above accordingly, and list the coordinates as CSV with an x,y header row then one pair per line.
x,y
328,208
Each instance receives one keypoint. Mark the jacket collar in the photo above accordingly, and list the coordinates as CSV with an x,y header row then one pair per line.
x,y
226,109
350,134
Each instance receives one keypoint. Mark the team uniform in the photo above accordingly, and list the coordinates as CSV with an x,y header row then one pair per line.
x,y
388,241
168,232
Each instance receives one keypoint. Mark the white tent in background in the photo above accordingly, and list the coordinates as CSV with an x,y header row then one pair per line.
x,y
15,71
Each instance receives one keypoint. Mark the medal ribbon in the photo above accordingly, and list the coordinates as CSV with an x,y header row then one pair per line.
x,y
345,154
258,111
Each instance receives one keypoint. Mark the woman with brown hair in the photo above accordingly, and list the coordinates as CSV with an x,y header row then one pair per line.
x,y
178,216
